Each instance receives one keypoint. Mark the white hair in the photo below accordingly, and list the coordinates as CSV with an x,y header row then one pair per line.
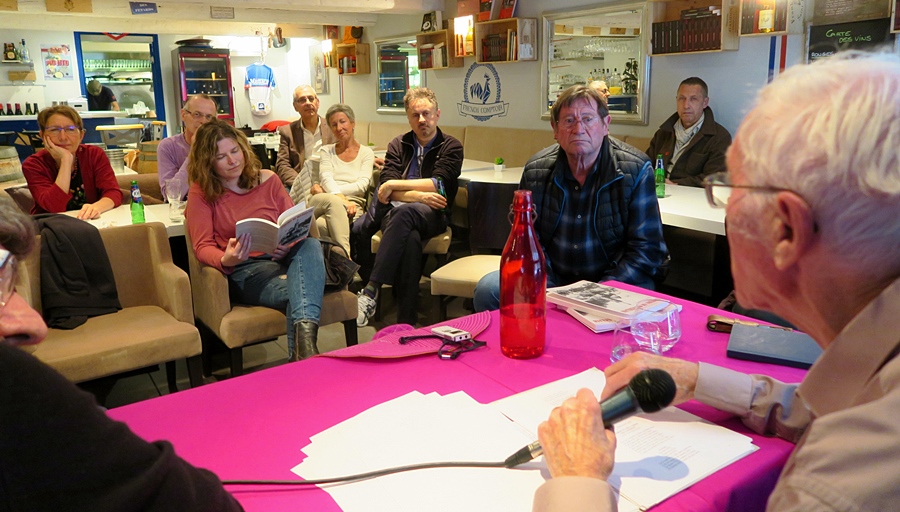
x,y
830,131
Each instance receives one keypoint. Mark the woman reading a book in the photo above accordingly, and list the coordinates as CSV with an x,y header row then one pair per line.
x,y
227,185
345,172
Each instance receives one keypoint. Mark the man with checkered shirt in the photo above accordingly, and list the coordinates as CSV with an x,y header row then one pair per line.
x,y
595,198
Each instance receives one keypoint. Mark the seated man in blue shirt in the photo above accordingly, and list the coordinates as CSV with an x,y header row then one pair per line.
x,y
597,215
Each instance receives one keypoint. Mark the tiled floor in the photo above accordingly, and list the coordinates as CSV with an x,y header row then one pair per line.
x,y
120,391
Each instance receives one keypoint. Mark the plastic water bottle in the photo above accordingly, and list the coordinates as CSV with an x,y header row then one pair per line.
x,y
137,204
523,285
660,176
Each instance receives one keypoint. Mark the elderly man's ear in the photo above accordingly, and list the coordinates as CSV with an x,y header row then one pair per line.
x,y
795,230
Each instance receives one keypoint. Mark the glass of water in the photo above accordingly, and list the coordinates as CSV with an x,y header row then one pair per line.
x,y
656,325
625,342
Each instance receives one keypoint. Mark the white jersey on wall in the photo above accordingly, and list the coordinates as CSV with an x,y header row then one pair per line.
x,y
259,84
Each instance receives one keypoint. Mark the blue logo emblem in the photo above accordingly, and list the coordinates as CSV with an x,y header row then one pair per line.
x,y
481,93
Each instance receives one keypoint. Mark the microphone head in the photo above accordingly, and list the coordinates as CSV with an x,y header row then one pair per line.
x,y
653,389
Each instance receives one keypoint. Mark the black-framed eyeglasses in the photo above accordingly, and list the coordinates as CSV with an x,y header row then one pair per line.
x,y
449,349
719,187
200,115
8,270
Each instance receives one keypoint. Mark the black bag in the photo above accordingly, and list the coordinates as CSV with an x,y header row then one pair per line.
x,y
339,268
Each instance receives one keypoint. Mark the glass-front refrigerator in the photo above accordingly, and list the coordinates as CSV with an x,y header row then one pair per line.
x,y
393,77
201,69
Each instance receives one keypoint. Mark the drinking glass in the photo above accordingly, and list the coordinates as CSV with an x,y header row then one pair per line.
x,y
625,342
176,210
656,325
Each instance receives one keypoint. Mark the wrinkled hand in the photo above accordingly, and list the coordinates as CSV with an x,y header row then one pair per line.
x,y
574,441
433,199
379,163
238,250
88,212
316,189
684,373
384,191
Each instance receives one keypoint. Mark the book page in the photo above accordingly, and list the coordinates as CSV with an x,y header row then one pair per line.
x,y
294,224
588,296
263,234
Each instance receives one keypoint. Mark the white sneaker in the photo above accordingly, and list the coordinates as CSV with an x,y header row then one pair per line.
x,y
365,307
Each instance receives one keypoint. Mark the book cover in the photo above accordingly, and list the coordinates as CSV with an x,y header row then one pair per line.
x,y
599,298
507,9
765,344
292,226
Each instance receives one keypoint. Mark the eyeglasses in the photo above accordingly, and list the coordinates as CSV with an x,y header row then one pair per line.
x,y
719,187
56,130
588,121
305,99
449,350
8,271
200,115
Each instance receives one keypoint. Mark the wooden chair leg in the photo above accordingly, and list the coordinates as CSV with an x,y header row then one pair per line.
x,y
170,377
195,370
350,332
237,361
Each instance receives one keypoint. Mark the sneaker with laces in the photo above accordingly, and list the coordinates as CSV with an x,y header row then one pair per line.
x,y
365,307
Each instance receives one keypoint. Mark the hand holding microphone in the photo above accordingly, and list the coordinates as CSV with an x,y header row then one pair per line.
x,y
577,442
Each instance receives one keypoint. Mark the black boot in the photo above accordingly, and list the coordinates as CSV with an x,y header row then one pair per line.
x,y
306,334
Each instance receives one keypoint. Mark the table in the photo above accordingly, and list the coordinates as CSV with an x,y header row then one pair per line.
x,y
686,207
254,426
507,175
121,216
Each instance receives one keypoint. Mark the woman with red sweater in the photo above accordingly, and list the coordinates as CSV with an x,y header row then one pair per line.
x,y
66,174
227,185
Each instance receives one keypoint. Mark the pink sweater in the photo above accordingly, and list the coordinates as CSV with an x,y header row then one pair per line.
x,y
211,225
99,180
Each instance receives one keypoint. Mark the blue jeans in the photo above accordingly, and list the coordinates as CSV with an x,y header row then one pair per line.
x,y
294,285
487,291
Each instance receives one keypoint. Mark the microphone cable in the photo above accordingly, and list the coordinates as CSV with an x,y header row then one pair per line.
x,y
372,474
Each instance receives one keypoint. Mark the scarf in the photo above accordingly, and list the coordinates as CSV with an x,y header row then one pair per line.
x,y
682,137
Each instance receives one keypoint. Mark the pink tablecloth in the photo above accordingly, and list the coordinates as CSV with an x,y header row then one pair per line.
x,y
254,426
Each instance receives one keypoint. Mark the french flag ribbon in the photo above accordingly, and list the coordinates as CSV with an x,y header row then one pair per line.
x,y
777,53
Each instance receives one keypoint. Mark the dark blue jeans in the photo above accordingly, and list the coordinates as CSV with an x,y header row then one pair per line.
x,y
294,285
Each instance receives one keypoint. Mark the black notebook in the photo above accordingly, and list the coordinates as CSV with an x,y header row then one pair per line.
x,y
770,345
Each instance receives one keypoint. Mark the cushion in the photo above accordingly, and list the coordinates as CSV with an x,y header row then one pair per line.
x,y
459,277
22,196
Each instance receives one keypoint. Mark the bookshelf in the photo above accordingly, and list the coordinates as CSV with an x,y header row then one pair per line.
x,y
352,59
693,26
787,17
329,50
506,40
440,41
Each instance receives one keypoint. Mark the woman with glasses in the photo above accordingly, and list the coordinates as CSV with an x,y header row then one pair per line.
x,y
227,185
66,174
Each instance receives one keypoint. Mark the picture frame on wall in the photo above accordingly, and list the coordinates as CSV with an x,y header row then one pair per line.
x,y
332,32
318,73
896,17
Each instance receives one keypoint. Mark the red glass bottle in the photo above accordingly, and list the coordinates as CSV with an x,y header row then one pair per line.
x,y
523,285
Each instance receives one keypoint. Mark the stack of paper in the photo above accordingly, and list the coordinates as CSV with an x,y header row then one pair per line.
x,y
657,455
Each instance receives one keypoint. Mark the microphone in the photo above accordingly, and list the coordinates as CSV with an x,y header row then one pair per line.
x,y
648,391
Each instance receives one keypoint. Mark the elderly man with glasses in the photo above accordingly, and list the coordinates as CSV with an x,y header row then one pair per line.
x,y
301,138
597,215
812,195
58,449
172,153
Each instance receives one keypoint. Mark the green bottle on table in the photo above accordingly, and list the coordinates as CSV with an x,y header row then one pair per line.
x,y
137,204
660,176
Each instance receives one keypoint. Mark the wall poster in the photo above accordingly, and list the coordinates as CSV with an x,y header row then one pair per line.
x,y
318,73
57,61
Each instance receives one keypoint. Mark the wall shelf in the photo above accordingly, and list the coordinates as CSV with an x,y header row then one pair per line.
x,y
787,17
674,32
506,40
357,55
445,39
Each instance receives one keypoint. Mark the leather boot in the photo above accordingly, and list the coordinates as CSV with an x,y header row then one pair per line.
x,y
306,334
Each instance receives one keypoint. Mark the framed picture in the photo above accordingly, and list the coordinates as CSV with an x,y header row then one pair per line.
x,y
318,73
332,32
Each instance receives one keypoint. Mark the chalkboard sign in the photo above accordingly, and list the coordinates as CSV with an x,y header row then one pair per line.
x,y
825,40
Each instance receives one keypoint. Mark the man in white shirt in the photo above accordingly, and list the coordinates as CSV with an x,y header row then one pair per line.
x,y
811,195
172,152
300,139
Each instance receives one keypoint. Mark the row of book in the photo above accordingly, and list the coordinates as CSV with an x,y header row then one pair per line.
x,y
497,48
495,9
690,34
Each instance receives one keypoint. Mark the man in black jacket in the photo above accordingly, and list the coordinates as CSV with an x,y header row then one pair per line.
x,y
418,186
691,142
58,449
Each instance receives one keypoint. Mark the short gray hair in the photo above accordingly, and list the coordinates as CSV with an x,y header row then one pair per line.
x,y
340,108
419,93
830,131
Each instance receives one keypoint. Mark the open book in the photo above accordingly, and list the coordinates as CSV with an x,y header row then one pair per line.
x,y
292,226
609,302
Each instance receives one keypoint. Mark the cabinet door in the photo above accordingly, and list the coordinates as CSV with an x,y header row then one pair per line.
x,y
208,74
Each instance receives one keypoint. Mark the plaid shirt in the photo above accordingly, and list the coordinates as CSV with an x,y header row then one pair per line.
x,y
610,228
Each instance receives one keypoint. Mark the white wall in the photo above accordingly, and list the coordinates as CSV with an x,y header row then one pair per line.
x,y
44,92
